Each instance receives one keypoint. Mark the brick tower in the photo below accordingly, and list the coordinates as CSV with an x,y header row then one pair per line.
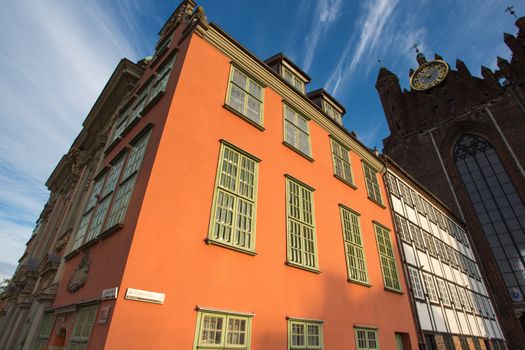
x,y
463,137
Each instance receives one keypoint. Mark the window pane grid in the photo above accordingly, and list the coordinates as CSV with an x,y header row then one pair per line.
x,y
234,219
341,159
387,260
301,226
305,335
417,287
355,256
366,339
245,96
223,331
431,288
402,228
372,184
296,131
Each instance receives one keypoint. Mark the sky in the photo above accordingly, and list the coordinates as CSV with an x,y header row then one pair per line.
x,y
57,55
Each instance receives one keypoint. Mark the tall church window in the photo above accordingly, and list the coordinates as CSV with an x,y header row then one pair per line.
x,y
500,210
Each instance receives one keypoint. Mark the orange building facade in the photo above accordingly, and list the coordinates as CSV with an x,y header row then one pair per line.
x,y
210,203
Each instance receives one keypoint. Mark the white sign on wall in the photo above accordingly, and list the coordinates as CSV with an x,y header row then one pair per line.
x,y
145,296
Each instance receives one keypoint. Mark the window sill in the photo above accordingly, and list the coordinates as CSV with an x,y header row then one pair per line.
x,y
377,202
290,146
152,103
364,284
112,144
346,182
109,231
396,291
227,246
129,127
309,269
71,254
89,244
243,117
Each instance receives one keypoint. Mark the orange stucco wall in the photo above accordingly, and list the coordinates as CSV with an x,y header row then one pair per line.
x,y
168,253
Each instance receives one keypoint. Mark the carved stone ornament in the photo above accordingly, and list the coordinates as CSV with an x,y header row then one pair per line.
x,y
62,240
79,276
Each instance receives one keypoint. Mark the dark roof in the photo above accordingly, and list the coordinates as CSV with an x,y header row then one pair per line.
x,y
323,92
281,57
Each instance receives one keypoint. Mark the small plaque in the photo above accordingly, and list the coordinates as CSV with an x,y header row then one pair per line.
x,y
104,314
110,293
145,296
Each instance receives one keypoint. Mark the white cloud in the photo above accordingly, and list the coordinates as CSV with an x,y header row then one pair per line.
x,y
326,14
375,16
56,57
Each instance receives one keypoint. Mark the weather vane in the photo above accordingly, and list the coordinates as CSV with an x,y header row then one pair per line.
x,y
510,10
415,47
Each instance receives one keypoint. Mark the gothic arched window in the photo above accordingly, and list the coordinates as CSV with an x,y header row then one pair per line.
x,y
500,210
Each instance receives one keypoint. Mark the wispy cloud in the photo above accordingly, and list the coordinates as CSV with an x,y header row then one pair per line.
x,y
56,57
326,14
375,15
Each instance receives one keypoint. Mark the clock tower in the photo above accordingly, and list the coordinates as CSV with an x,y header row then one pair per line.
x,y
463,137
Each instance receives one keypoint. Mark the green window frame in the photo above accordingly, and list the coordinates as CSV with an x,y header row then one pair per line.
x,y
246,96
45,331
341,160
387,259
232,223
222,330
366,338
332,112
305,334
85,319
353,242
300,225
372,184
292,78
296,131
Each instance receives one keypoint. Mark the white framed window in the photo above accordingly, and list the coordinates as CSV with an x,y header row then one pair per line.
x,y
417,236
443,292
332,112
353,240
245,95
391,182
300,220
366,339
372,184
292,78
305,334
415,280
223,331
402,228
296,130
431,288
341,160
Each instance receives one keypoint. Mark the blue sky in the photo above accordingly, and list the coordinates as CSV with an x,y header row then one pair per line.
x,y
56,56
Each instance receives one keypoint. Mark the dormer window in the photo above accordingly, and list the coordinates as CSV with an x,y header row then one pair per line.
x,y
289,71
292,78
332,112
330,106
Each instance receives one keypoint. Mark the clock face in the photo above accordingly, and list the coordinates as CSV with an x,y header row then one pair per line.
x,y
429,75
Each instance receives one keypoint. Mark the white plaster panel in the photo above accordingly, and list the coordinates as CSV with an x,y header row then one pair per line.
x,y
424,317
463,322
411,214
473,325
493,329
423,261
448,272
397,205
434,229
409,253
437,266
498,332
457,276
424,222
439,319
452,322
